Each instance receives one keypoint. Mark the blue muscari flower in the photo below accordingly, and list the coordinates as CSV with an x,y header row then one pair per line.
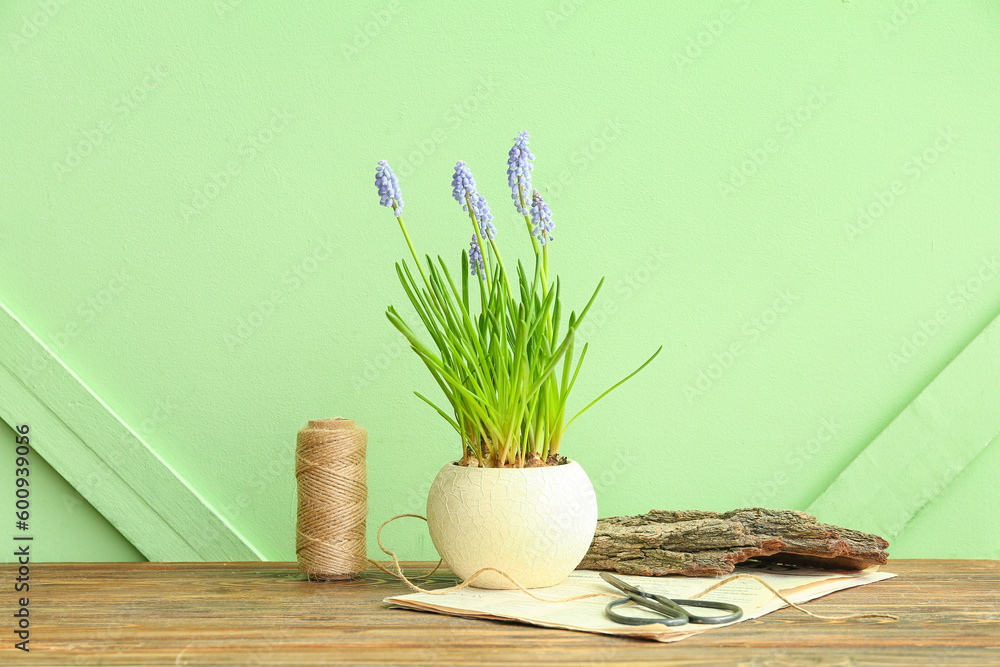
x,y
541,218
462,182
519,170
484,217
388,187
476,259
464,185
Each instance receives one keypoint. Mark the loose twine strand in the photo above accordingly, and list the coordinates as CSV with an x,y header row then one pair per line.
x,y
445,591
333,499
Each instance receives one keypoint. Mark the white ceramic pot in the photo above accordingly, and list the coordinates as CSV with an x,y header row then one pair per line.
x,y
535,524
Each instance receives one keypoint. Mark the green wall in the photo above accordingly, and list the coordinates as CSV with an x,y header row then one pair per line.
x,y
188,219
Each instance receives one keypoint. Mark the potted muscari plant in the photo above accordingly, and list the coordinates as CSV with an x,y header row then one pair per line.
x,y
503,352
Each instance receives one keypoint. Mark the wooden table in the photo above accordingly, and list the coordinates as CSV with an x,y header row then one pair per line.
x,y
265,613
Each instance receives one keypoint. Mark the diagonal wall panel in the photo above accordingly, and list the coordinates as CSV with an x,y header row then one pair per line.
x,y
920,452
109,463
955,417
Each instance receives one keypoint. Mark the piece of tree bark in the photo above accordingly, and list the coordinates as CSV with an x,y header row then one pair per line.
x,y
701,543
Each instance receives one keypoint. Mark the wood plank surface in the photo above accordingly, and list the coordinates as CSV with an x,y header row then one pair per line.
x,y
266,614
110,464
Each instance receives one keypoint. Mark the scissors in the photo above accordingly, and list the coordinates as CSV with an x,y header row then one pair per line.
x,y
672,611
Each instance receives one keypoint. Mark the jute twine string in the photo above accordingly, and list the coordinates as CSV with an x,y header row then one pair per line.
x,y
333,499
445,591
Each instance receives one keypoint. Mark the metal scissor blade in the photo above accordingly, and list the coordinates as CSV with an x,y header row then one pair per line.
x,y
622,586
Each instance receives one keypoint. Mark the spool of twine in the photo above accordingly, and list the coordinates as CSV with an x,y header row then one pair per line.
x,y
333,499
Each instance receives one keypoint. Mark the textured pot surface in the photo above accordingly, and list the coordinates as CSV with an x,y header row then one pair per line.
x,y
535,524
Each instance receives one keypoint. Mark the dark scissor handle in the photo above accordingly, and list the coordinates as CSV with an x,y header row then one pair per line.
x,y
670,616
671,611
735,612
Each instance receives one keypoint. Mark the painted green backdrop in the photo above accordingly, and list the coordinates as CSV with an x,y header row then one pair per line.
x,y
798,200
